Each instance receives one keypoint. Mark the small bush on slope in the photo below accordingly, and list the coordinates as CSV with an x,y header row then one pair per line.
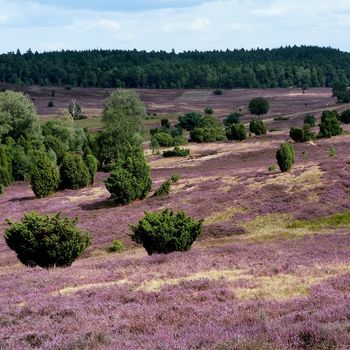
x,y
117,246
166,232
163,190
74,173
330,124
44,175
46,241
91,164
177,152
257,127
285,157
237,132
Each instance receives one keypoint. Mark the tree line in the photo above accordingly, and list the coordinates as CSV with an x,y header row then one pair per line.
x,y
305,66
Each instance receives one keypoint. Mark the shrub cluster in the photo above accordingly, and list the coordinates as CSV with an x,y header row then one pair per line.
x,y
236,132
310,119
166,232
285,157
177,152
74,173
258,106
301,134
130,178
345,117
233,118
257,127
46,241
330,124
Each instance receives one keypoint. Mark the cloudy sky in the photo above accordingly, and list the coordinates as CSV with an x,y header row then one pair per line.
x,y
45,25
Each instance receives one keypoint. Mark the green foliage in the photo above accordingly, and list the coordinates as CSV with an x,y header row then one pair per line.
x,y
74,173
272,167
329,124
18,116
78,140
331,151
208,110
281,118
5,167
233,118
218,92
164,139
345,117
310,119
60,129
44,175
165,123
46,241
74,110
50,104
190,121
257,127
177,152
258,106
341,91
117,246
166,231
130,179
180,140
155,146
175,178
201,135
237,132
92,165
301,134
163,190
285,157
55,144
1,188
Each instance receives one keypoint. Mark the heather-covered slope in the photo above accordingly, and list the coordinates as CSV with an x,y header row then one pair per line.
x,y
271,270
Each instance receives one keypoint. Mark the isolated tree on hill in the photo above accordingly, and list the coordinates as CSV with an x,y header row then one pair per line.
x,y
285,156
258,106
18,116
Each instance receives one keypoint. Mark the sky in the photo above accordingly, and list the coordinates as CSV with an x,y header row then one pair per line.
x,y
47,25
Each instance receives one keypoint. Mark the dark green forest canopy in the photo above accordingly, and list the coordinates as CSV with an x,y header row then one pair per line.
x,y
305,66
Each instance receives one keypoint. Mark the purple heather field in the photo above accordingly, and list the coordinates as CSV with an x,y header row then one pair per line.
x,y
271,270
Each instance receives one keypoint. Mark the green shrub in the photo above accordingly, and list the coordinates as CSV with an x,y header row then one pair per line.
x,y
301,134
258,106
310,119
165,123
257,127
208,110
237,132
44,175
329,124
272,167
233,118
92,165
130,179
74,173
175,178
1,188
218,92
206,134
177,152
117,246
331,151
164,139
50,104
345,117
163,190
281,118
166,232
5,167
189,121
285,157
46,241
54,143
179,140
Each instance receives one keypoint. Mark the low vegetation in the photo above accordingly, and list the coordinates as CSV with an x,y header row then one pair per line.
x,y
285,157
177,152
46,241
166,232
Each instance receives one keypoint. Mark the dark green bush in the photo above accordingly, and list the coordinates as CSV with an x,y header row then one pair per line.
x,y
130,179
74,173
345,117
166,232
92,165
330,124
177,152
5,167
285,157
165,123
310,119
281,118
163,190
54,143
257,127
233,118
117,246
175,178
301,134
46,241
180,140
237,132
208,110
50,104
206,134
189,121
258,106
218,92
44,175
164,139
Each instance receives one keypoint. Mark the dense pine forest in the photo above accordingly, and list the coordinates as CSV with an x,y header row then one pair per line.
x,y
305,66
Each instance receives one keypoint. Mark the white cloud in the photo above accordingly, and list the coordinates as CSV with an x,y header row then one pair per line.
x,y
214,24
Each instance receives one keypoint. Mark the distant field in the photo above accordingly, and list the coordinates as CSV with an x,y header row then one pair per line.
x,y
286,102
